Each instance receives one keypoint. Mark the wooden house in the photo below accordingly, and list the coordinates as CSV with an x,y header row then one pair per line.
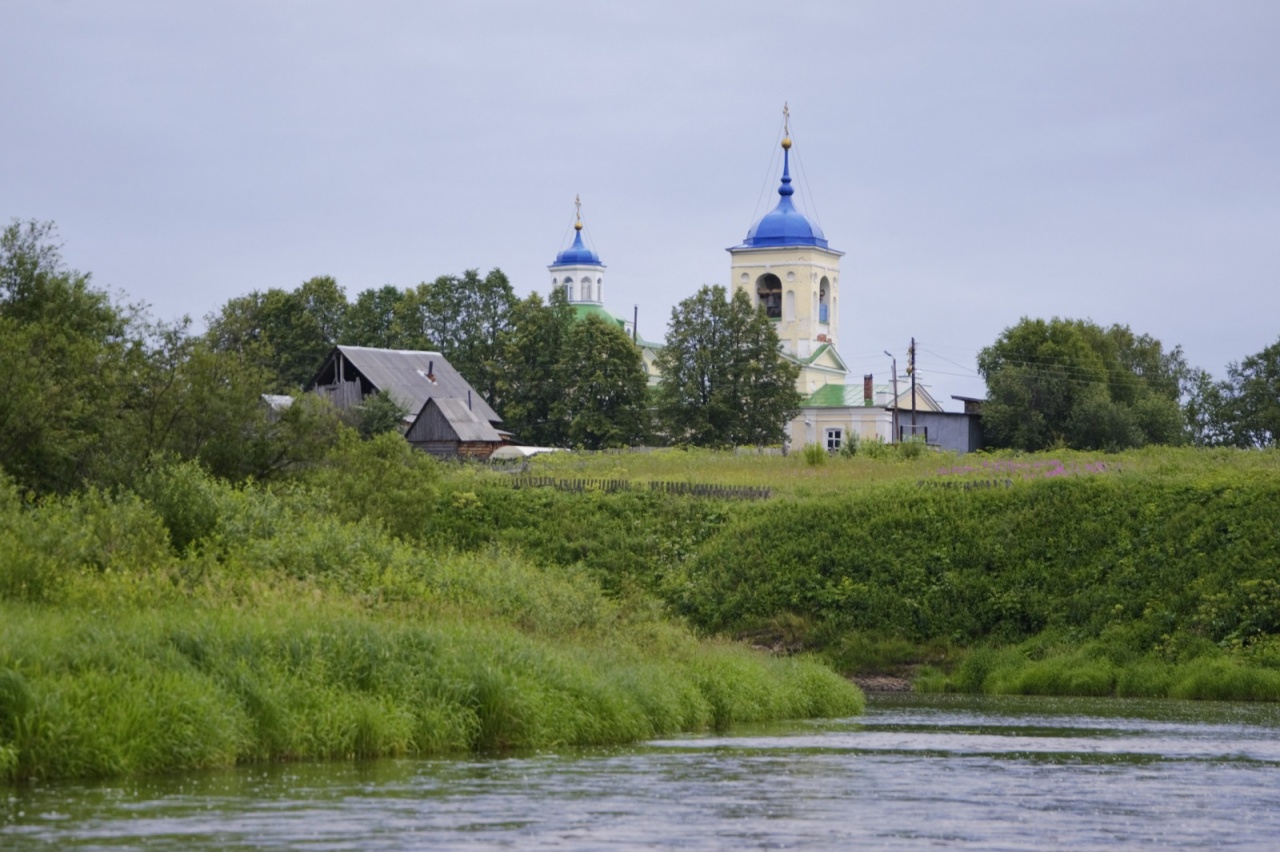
x,y
450,428
460,422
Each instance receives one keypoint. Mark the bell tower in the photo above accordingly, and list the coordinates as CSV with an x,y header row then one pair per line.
x,y
786,266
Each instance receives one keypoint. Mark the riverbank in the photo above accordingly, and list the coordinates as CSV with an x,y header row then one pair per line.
x,y
194,624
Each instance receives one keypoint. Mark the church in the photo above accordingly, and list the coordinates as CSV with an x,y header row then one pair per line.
x,y
788,268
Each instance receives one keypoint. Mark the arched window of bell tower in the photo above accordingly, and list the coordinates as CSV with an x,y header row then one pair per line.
x,y
769,295
586,290
824,300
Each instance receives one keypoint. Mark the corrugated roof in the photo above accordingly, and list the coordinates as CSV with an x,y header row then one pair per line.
x,y
836,396
403,374
465,421
582,311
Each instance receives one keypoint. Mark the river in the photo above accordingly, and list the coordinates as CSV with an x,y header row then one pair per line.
x,y
956,772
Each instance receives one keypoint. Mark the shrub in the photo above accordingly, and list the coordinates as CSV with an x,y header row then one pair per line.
x,y
814,455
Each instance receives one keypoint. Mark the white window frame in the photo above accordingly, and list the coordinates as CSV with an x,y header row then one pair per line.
x,y
835,438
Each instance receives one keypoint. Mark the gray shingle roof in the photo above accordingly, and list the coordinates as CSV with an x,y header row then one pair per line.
x,y
402,373
467,422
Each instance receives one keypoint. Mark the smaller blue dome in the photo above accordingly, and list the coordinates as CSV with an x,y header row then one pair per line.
x,y
577,254
784,225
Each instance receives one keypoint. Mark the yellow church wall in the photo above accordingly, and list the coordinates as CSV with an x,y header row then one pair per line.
x,y
800,271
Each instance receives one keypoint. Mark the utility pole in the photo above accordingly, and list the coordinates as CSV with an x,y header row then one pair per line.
x,y
911,371
893,439
635,325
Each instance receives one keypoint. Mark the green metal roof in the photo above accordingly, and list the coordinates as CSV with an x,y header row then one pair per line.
x,y
581,311
838,396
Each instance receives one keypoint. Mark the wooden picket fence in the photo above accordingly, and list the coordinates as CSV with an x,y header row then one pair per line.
x,y
691,489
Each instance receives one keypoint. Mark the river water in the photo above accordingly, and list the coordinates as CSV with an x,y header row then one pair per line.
x,y
982,773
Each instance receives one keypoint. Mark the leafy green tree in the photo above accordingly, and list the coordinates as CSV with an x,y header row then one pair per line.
x,y
1244,410
377,319
68,358
603,390
377,414
288,332
724,381
529,379
465,319
198,402
1074,383
1205,410
1255,398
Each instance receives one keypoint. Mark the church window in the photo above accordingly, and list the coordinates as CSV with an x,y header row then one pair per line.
x,y
586,290
568,289
769,294
834,438
824,306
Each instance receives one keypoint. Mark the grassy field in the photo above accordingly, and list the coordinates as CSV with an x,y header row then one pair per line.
x,y
792,475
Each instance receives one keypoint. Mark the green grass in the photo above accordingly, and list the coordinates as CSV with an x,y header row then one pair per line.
x,y
792,475
214,625
187,688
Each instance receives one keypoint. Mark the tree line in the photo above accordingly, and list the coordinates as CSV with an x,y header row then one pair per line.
x,y
92,389
1076,384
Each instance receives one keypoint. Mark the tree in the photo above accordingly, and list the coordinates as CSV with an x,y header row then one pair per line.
x,y
465,318
603,392
1253,394
528,388
1244,410
288,332
377,319
724,380
1075,383
376,414
68,358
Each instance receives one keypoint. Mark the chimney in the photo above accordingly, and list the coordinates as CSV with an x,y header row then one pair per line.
x,y
868,390
431,372
468,400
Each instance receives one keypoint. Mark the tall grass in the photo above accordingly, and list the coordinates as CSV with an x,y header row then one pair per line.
x,y
186,688
1089,672
209,625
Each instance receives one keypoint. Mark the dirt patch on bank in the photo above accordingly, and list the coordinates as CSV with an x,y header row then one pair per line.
x,y
881,683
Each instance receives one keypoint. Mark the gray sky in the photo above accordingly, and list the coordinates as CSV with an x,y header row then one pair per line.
x,y
977,161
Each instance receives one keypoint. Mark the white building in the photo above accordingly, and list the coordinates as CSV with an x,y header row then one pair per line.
x,y
579,274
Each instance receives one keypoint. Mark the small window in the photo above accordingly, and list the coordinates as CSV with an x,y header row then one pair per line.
x,y
834,437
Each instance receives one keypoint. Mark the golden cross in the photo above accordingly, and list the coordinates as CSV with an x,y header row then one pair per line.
x,y
577,207
786,120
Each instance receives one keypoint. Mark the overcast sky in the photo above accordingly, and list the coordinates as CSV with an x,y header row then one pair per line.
x,y
977,161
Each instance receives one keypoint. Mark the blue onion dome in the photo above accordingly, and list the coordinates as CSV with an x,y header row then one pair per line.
x,y
784,225
578,253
